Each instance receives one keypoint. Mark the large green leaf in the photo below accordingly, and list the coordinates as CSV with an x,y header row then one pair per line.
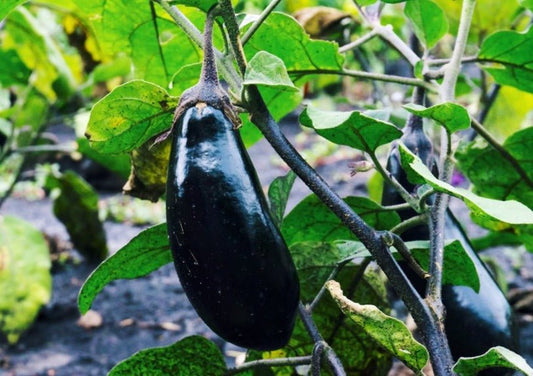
x,y
510,52
191,356
25,279
511,211
429,21
282,36
352,128
389,332
76,206
450,115
156,56
495,357
144,253
129,116
459,269
311,220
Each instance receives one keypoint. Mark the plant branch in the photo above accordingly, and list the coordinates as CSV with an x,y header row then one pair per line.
x,y
356,43
434,339
333,361
233,33
262,17
366,75
489,101
275,362
387,33
438,210
409,223
338,267
480,129
454,67
398,243
466,59
391,180
225,67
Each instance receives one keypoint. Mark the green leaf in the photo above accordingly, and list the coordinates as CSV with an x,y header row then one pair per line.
x,y
354,129
509,56
429,21
155,56
40,53
267,70
494,176
495,357
186,77
146,252
359,354
388,331
278,195
25,279
129,116
311,220
526,4
451,116
191,356
512,212
76,206
459,269
13,71
8,5
204,5
282,36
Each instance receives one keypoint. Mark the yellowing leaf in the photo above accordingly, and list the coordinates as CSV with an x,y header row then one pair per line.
x,y
25,280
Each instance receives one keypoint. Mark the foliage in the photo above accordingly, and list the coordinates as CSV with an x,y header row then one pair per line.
x,y
130,61
24,275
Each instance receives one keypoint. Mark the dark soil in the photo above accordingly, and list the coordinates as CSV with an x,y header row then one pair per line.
x,y
150,311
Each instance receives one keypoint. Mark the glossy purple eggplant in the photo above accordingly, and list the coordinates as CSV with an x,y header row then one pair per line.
x,y
230,257
474,321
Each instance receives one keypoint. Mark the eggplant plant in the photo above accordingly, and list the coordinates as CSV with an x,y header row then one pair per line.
x,y
422,93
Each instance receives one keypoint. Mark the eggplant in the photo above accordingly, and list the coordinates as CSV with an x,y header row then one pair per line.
x,y
474,321
230,257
